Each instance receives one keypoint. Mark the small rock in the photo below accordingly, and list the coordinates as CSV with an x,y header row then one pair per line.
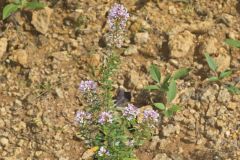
x,y
18,102
232,105
132,50
154,142
41,19
212,133
2,123
59,93
181,44
169,129
94,60
19,56
89,153
224,96
4,141
141,37
3,46
172,10
19,126
161,156
139,25
209,46
223,61
60,56
133,80
226,19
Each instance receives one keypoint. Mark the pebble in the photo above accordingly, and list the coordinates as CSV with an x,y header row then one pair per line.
x,y
19,56
141,37
41,19
170,129
209,46
181,44
161,156
4,141
59,93
131,50
3,46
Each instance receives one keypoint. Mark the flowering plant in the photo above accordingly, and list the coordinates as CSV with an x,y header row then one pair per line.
x,y
113,132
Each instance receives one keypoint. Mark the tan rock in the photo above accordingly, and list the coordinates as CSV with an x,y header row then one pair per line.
x,y
3,46
131,50
94,60
41,19
181,44
20,56
223,61
141,37
209,46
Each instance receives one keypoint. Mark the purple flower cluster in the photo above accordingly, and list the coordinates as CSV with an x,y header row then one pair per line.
x,y
102,152
117,17
150,114
105,117
87,86
81,116
130,112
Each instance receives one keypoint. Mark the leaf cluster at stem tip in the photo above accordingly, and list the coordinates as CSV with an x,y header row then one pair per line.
x,y
168,86
213,66
20,4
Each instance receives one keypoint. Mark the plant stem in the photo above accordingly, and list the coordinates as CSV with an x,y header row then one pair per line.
x,y
108,70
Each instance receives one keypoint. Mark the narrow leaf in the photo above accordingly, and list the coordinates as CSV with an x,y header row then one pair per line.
x,y
225,74
168,113
181,73
233,43
34,5
8,10
165,83
152,87
175,108
211,63
160,106
172,91
234,90
155,73
213,79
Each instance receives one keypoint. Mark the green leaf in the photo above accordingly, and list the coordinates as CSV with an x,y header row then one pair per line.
x,y
8,10
17,1
233,43
160,106
213,79
211,63
175,108
165,83
155,73
181,73
232,89
152,87
172,91
34,5
168,113
225,74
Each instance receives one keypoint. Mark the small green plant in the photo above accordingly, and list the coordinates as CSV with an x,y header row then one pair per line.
x,y
213,66
20,5
166,87
220,75
233,43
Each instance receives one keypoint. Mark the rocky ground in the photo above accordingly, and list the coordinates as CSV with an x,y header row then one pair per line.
x,y
45,54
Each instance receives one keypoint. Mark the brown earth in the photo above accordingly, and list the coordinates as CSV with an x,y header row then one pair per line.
x,y
45,54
